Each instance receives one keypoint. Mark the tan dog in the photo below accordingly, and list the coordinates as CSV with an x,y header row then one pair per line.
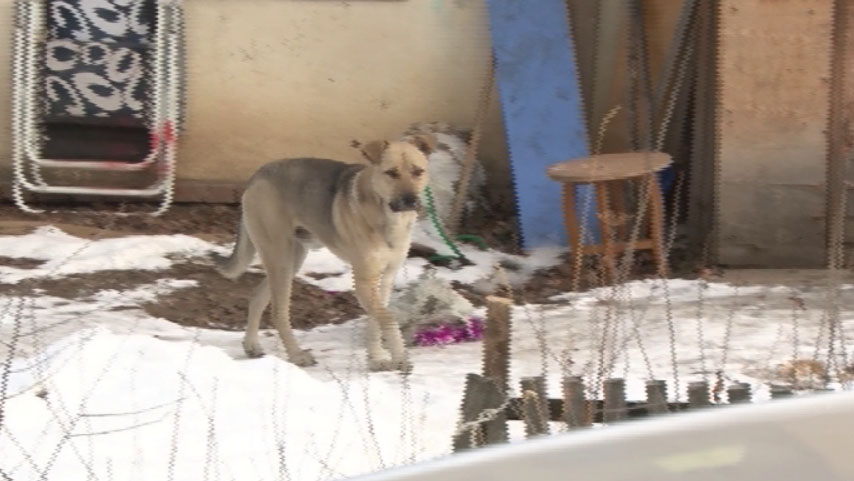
x,y
364,214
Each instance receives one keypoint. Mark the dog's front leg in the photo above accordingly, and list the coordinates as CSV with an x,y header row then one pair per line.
x,y
381,324
387,283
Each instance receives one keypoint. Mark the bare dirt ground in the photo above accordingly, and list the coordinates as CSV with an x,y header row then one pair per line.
x,y
221,303
216,302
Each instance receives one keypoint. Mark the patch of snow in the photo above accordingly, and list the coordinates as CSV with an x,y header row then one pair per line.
x,y
65,254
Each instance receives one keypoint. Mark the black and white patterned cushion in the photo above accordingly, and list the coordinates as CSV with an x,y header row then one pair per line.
x,y
96,58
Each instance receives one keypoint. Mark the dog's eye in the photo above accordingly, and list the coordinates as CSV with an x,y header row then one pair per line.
x,y
392,173
417,172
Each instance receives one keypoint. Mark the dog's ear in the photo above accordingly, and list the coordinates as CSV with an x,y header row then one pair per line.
x,y
426,143
374,149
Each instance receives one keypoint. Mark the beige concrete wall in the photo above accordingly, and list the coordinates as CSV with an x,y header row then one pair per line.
x,y
6,20
279,78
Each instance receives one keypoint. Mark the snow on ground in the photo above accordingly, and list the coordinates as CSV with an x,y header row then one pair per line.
x,y
65,254
98,389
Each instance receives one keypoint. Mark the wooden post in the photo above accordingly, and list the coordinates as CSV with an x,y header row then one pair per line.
x,y
535,406
461,196
656,396
481,394
698,394
738,392
575,412
496,340
779,392
615,400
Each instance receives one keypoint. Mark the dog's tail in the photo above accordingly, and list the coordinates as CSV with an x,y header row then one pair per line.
x,y
240,258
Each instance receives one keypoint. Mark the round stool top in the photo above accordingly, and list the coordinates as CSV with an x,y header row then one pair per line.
x,y
596,168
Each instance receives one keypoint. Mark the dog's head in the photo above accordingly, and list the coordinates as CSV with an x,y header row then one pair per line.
x,y
399,170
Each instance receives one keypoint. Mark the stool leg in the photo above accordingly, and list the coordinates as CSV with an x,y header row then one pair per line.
x,y
603,202
656,225
573,232
618,196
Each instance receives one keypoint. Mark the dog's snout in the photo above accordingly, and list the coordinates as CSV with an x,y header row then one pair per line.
x,y
409,200
405,202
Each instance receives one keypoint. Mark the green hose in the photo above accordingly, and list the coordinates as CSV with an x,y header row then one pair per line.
x,y
473,238
434,218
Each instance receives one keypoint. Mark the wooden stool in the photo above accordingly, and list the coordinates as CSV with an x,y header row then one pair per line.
x,y
610,174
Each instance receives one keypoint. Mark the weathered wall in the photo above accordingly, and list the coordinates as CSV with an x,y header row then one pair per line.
x,y
276,78
773,114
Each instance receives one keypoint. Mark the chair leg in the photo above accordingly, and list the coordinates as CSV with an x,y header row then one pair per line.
x,y
573,232
603,202
656,225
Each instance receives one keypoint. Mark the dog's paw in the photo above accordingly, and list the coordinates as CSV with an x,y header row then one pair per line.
x,y
379,365
302,358
253,350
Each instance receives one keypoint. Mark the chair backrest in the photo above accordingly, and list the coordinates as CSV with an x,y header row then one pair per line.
x,y
97,79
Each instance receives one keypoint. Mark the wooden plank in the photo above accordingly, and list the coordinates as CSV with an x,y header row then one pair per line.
x,y
656,396
774,68
701,171
481,394
615,408
738,392
535,406
584,36
575,413
496,340
634,409
541,103
840,135
611,25
779,392
698,394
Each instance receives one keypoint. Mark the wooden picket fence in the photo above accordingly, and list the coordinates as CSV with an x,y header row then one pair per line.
x,y
486,410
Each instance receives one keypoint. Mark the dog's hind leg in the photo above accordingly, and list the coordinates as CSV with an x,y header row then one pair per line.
x,y
260,300
271,229
282,265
